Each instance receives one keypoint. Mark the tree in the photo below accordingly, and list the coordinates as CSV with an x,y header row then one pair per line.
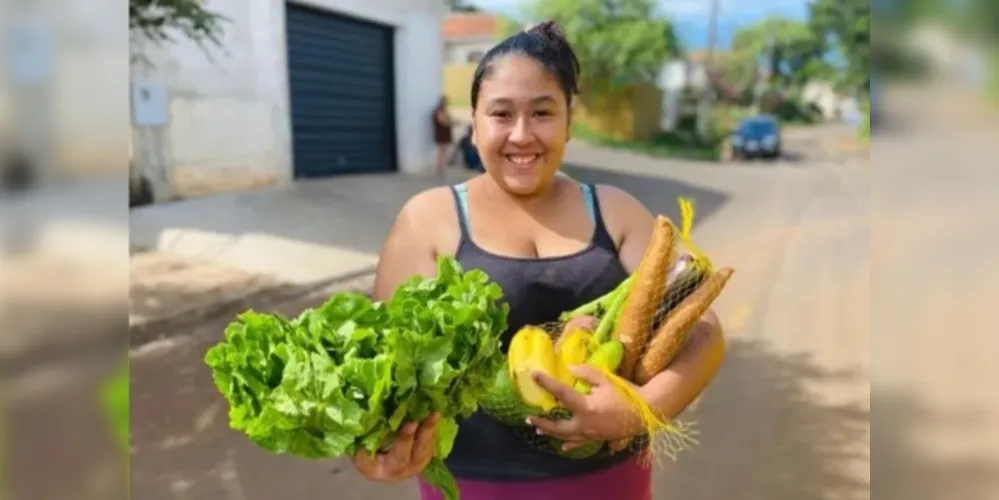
x,y
617,43
157,20
845,25
794,53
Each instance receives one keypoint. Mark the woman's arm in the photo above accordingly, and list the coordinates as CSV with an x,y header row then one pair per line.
x,y
408,250
689,374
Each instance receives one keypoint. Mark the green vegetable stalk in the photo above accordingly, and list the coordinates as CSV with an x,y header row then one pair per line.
x,y
607,321
115,399
345,376
607,357
600,304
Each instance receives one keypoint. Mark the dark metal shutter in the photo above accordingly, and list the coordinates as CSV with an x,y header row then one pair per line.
x,y
342,93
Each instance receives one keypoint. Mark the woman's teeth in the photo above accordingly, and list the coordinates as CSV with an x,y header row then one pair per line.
x,y
523,159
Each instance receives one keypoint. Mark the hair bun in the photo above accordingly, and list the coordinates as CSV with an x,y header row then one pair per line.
x,y
550,30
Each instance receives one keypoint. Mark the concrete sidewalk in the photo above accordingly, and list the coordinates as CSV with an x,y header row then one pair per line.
x,y
224,254
304,234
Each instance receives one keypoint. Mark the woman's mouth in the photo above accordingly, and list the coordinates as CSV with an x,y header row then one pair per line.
x,y
523,160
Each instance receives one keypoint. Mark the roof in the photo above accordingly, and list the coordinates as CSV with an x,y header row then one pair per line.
x,y
461,25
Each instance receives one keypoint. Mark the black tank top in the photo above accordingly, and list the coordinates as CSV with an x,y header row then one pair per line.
x,y
538,291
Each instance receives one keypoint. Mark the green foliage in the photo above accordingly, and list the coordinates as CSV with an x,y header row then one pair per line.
x,y
864,130
681,143
795,58
344,377
845,25
158,19
617,43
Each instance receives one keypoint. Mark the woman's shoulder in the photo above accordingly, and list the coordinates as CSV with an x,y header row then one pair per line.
x,y
428,206
613,197
622,212
429,215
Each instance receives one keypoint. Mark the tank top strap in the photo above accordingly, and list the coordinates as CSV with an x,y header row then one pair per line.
x,y
460,192
601,238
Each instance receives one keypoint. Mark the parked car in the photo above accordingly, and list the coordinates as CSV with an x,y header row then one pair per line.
x,y
757,137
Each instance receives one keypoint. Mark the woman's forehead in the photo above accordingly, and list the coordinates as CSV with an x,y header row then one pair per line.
x,y
520,78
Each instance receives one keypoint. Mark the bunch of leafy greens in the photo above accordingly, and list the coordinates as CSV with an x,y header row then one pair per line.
x,y
344,377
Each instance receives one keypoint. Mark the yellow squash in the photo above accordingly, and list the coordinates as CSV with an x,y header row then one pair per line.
x,y
572,348
531,350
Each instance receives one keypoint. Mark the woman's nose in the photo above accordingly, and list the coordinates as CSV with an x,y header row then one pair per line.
x,y
521,133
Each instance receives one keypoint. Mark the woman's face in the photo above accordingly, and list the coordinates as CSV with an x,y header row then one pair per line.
x,y
521,125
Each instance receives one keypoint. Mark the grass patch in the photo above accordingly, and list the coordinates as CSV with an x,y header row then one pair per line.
x,y
664,145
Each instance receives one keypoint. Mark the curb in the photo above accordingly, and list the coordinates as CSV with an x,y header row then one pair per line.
x,y
173,325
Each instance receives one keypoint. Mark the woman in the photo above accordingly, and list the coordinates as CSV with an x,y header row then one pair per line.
x,y
442,133
552,244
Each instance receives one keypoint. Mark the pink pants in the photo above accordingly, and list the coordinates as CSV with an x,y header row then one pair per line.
x,y
626,481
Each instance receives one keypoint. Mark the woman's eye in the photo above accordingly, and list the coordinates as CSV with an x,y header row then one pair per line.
x,y
543,113
500,114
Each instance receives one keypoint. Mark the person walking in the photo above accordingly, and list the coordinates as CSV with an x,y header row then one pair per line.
x,y
442,133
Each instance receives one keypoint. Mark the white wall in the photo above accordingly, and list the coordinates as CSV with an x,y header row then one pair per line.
x,y
230,125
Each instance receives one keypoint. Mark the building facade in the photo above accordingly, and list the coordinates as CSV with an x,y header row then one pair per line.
x,y
295,89
468,36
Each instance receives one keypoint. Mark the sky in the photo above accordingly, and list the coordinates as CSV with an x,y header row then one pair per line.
x,y
692,16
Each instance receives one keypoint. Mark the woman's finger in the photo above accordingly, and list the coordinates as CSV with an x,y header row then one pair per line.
x,y
566,395
398,457
366,463
561,429
588,323
424,443
590,374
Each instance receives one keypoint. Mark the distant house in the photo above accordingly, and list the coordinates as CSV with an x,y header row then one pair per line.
x,y
822,96
681,80
468,36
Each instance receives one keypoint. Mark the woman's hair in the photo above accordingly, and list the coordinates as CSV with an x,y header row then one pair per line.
x,y
545,43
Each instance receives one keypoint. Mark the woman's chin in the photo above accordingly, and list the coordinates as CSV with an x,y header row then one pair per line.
x,y
521,185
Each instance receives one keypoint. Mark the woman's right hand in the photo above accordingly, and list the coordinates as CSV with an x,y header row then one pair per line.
x,y
408,456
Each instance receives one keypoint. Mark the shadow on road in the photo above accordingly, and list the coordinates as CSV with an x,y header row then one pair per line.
x,y
60,441
904,469
658,193
764,436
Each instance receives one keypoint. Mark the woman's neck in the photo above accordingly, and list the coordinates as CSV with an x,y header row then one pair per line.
x,y
539,200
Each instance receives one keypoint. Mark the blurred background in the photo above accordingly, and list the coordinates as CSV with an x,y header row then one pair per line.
x,y
265,148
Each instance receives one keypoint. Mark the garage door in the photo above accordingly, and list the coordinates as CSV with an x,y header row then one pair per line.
x,y
342,89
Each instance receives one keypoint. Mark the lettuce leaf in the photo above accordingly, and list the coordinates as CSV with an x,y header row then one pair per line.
x,y
345,376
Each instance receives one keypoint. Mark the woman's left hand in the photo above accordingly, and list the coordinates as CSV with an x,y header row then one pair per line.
x,y
601,415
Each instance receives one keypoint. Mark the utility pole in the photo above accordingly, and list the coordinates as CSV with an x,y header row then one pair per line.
x,y
707,94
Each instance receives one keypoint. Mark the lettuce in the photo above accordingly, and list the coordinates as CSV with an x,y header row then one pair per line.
x,y
345,376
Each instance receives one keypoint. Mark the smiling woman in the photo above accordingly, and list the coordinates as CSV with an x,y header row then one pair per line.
x,y
539,83
552,244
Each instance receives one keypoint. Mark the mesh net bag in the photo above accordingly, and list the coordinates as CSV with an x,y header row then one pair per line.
x,y
631,335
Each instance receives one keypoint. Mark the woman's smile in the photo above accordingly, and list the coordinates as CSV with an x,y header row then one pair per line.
x,y
523,160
